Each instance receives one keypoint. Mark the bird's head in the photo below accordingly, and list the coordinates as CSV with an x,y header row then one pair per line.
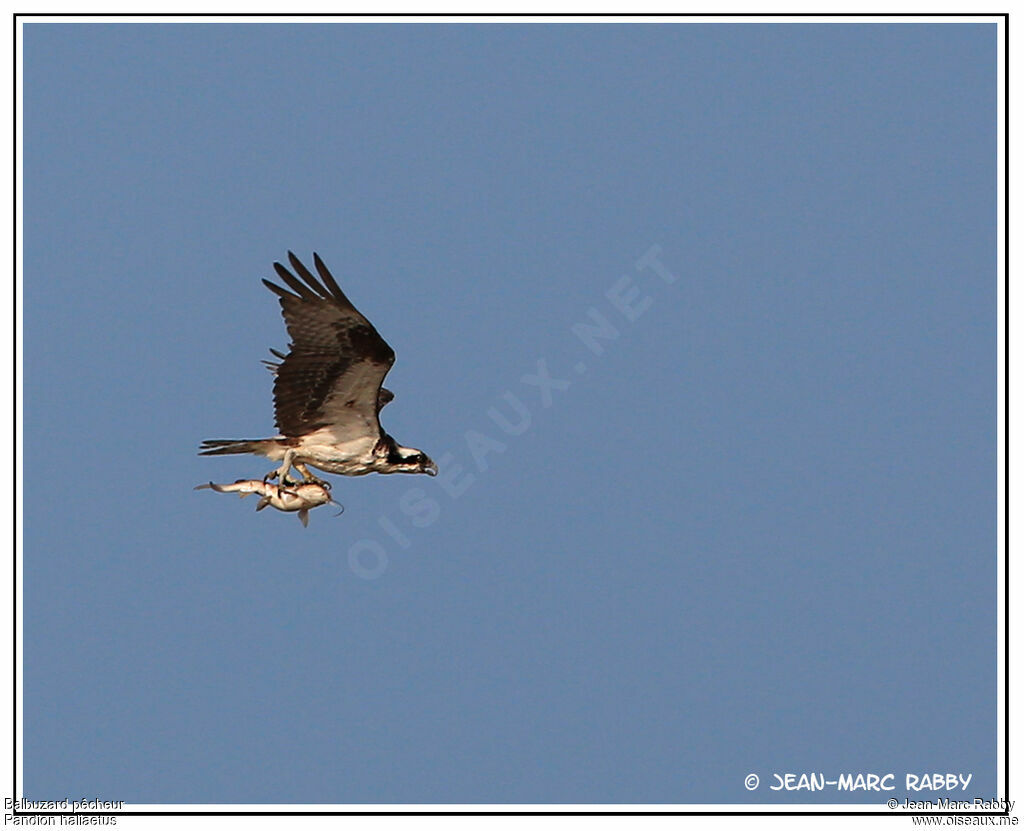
x,y
414,461
393,458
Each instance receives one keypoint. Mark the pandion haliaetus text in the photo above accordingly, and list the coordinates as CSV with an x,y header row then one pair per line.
x,y
328,389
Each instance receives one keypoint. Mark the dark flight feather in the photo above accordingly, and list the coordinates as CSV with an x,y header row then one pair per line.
x,y
336,361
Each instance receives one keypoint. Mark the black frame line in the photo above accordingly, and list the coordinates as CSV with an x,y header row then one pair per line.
x,y
442,813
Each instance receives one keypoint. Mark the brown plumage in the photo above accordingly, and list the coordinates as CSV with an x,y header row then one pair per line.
x,y
330,339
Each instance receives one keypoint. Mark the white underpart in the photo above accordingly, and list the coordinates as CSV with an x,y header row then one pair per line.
x,y
353,457
350,458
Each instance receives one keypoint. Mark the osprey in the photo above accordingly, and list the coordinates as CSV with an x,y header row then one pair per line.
x,y
328,390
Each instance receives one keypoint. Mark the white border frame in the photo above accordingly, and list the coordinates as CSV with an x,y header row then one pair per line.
x,y
831,808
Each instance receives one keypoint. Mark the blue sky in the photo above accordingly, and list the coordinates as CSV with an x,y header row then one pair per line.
x,y
756,533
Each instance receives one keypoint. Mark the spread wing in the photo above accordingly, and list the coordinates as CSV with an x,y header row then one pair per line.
x,y
332,375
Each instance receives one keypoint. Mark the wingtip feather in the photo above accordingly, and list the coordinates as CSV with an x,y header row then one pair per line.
x,y
280,292
294,283
329,281
308,277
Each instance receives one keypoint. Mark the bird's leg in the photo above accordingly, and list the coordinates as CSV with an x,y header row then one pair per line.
x,y
309,477
281,474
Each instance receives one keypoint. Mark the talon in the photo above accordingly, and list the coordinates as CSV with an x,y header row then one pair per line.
x,y
309,479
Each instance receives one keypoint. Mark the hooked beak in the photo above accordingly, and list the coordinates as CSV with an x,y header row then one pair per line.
x,y
430,470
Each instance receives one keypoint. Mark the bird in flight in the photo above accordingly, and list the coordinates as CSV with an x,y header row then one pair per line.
x,y
328,390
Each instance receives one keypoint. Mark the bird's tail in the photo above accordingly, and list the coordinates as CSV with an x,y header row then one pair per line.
x,y
225,447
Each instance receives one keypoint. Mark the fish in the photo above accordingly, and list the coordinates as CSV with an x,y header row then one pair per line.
x,y
301,497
